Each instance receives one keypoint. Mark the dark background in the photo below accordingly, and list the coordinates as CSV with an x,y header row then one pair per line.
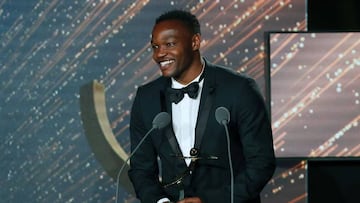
x,y
333,15
336,179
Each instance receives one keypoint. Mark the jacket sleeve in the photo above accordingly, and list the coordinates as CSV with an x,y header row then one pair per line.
x,y
144,171
250,122
254,128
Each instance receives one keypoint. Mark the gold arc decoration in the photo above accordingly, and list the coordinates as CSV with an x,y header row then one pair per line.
x,y
101,139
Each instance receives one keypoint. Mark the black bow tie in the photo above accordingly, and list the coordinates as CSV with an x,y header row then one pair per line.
x,y
176,95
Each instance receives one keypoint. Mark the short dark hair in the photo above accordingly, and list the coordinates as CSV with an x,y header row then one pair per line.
x,y
186,17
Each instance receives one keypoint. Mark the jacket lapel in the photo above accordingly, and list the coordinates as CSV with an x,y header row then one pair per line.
x,y
169,132
206,102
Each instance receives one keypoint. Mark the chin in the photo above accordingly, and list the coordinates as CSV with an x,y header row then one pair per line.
x,y
167,75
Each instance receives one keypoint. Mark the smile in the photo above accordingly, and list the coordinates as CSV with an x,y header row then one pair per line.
x,y
165,63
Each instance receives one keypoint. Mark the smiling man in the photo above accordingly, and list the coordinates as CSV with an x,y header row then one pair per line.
x,y
188,161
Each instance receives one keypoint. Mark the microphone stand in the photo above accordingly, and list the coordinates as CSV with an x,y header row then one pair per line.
x,y
222,115
125,163
230,163
160,121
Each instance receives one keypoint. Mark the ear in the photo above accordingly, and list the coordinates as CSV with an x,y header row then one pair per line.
x,y
196,40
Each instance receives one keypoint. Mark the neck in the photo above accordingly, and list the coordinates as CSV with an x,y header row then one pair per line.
x,y
193,72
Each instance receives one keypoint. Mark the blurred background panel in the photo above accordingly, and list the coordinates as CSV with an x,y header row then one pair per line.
x,y
315,93
49,49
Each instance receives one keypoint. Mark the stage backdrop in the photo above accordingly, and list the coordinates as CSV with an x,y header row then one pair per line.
x,y
50,48
315,93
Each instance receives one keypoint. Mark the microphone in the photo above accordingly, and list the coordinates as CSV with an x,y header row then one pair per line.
x,y
160,121
222,116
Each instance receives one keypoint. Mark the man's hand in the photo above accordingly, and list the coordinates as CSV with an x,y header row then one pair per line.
x,y
190,200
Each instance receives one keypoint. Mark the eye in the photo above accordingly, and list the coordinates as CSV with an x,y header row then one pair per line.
x,y
170,44
154,46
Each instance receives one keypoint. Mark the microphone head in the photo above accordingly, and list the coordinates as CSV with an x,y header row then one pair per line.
x,y
222,115
161,120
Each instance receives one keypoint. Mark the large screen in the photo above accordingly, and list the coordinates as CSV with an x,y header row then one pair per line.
x,y
50,48
315,93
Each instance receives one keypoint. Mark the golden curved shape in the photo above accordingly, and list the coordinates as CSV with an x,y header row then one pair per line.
x,y
99,133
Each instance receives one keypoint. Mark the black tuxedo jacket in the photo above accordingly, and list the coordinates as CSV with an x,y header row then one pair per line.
x,y
250,136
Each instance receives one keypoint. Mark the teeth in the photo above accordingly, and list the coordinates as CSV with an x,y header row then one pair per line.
x,y
164,63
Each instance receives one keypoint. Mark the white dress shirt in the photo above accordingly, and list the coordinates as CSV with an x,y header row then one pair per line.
x,y
184,116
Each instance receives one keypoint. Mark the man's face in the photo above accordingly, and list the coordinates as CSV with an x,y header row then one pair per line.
x,y
173,49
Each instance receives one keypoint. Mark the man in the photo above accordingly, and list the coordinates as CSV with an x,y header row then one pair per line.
x,y
190,155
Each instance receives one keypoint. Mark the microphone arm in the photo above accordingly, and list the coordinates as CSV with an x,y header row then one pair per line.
x,y
222,116
160,121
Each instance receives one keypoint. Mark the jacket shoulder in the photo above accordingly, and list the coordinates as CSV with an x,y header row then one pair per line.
x,y
222,73
154,85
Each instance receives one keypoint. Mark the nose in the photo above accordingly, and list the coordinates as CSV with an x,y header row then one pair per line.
x,y
159,52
